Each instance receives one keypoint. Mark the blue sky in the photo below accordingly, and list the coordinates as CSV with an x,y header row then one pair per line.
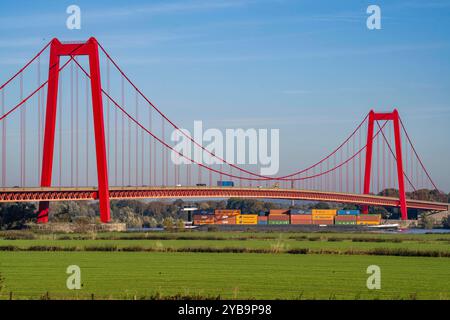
x,y
310,68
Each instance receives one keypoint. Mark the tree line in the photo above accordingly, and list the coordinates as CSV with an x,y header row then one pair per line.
x,y
146,213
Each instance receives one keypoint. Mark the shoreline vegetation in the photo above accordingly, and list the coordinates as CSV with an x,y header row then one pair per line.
x,y
197,265
428,245
272,250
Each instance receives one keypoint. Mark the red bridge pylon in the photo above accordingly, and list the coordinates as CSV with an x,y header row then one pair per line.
x,y
90,49
394,117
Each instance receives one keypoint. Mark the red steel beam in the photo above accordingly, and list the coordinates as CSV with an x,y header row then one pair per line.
x,y
68,194
58,49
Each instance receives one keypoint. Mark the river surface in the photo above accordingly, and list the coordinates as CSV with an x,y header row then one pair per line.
x,y
419,231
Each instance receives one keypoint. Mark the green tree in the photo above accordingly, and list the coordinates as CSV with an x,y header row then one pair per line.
x,y
246,205
380,210
16,215
425,221
446,222
149,222
320,205
203,206
180,225
128,216
168,223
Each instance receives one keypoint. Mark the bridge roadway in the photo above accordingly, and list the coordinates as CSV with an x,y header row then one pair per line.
x,y
91,193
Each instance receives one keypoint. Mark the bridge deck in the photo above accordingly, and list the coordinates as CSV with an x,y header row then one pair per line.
x,y
90,193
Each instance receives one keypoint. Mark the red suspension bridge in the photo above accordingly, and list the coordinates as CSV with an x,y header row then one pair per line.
x,y
101,138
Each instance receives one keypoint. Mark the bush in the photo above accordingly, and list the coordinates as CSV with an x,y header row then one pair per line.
x,y
213,229
2,280
16,215
425,221
169,223
446,222
17,235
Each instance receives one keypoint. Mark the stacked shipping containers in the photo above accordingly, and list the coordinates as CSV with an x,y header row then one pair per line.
x,y
301,216
346,217
323,216
278,216
285,216
226,216
345,220
262,220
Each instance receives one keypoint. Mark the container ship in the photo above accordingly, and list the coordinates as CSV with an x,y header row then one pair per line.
x,y
321,217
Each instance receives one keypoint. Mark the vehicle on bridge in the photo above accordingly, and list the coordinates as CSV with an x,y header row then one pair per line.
x,y
225,183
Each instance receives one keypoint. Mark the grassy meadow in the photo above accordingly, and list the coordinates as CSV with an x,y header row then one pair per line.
x,y
225,265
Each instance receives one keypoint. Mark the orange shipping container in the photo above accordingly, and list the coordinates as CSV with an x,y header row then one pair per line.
x,y
231,220
200,222
283,217
345,218
293,220
203,217
223,216
324,221
279,212
303,222
322,216
301,219
230,212
324,211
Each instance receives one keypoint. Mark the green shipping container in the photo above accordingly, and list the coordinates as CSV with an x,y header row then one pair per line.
x,y
345,223
278,222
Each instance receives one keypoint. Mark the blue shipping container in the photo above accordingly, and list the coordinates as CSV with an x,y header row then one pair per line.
x,y
262,222
299,211
348,212
204,212
225,183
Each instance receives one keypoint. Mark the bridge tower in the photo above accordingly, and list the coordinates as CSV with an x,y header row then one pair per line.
x,y
90,49
394,117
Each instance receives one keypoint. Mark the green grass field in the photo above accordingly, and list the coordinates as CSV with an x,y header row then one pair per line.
x,y
129,275
280,243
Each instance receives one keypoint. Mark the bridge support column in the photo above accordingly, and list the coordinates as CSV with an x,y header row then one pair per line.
x,y
394,117
90,49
